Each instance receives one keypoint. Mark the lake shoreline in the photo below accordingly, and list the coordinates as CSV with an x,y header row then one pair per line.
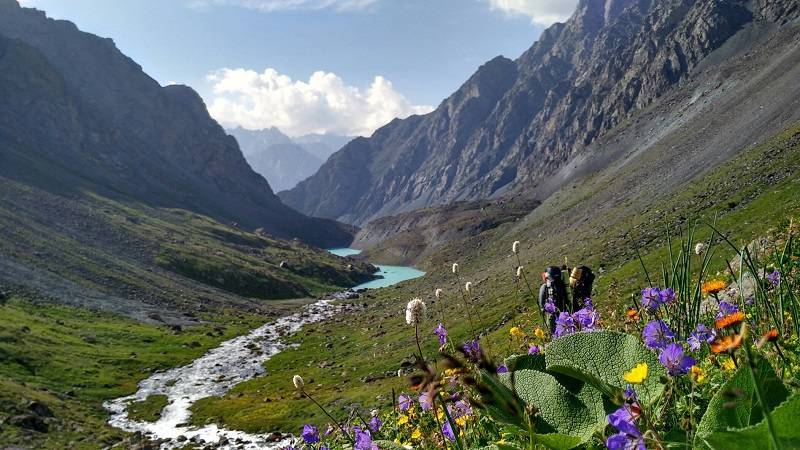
x,y
390,274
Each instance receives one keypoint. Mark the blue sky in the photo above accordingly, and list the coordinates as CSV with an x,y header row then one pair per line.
x,y
375,58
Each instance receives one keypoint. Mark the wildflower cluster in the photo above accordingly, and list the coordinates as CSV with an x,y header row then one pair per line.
x,y
695,340
584,319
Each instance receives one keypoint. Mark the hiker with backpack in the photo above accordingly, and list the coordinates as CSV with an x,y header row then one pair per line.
x,y
553,295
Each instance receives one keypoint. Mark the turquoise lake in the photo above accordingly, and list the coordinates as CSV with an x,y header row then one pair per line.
x,y
391,274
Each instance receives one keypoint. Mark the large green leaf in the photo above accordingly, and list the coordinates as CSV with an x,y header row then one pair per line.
x,y
785,424
519,362
735,404
601,358
564,418
389,445
558,441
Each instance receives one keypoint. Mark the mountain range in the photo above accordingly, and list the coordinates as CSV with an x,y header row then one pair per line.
x,y
282,160
74,100
119,194
514,124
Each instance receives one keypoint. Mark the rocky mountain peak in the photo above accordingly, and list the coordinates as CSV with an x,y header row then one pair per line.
x,y
515,122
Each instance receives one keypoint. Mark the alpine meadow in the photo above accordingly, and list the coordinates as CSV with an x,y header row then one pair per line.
x,y
243,224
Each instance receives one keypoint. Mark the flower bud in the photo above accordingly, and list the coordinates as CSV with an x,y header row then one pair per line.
x,y
297,380
415,312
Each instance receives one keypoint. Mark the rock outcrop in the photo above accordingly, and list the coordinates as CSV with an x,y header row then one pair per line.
x,y
513,123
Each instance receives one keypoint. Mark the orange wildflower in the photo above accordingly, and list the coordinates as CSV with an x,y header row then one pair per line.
x,y
769,336
727,343
713,287
730,320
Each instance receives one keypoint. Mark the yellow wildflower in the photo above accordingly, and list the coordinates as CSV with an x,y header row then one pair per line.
x,y
728,365
416,434
517,332
402,420
450,372
538,332
637,374
698,374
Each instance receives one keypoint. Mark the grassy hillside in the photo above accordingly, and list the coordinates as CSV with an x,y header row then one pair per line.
x,y
98,293
135,260
71,360
354,359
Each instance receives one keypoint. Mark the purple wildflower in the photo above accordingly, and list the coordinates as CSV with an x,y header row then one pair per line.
x,y
364,440
405,402
460,408
426,400
700,334
534,350
651,298
624,419
587,302
310,434
473,350
441,332
726,308
630,394
626,441
374,424
667,295
657,334
502,368
565,325
447,431
774,277
550,306
586,317
673,359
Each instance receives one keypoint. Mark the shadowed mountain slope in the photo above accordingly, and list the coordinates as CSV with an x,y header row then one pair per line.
x,y
75,100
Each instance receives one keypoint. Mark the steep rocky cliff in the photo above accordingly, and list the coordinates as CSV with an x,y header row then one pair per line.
x,y
74,100
513,123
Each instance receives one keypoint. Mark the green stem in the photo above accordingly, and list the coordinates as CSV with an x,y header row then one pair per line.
x,y
453,425
329,416
760,397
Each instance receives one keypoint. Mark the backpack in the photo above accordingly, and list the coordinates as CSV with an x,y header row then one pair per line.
x,y
555,288
581,280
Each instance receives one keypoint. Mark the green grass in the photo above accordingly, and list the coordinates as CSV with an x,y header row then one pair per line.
x,y
747,196
149,409
123,247
72,360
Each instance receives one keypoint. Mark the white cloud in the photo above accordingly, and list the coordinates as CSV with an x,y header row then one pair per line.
x,y
287,5
324,103
542,12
